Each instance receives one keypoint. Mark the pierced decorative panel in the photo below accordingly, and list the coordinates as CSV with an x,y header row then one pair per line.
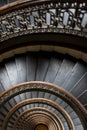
x,y
57,17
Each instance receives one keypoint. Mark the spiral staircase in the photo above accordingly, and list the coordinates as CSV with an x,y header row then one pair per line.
x,y
43,65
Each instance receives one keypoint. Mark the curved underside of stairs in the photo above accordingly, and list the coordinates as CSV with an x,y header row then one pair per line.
x,y
49,67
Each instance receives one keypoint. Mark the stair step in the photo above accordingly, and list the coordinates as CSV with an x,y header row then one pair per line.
x,y
1,88
4,79
83,98
80,87
54,66
20,61
31,67
63,72
12,71
42,66
77,72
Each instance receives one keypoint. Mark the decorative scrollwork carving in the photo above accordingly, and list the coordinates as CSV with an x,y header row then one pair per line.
x,y
69,18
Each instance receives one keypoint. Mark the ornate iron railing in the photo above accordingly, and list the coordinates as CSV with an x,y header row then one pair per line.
x,y
56,16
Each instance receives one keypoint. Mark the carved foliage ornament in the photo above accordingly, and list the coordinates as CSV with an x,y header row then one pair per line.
x,y
69,18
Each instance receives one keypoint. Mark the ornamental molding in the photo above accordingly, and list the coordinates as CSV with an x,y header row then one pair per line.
x,y
53,16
